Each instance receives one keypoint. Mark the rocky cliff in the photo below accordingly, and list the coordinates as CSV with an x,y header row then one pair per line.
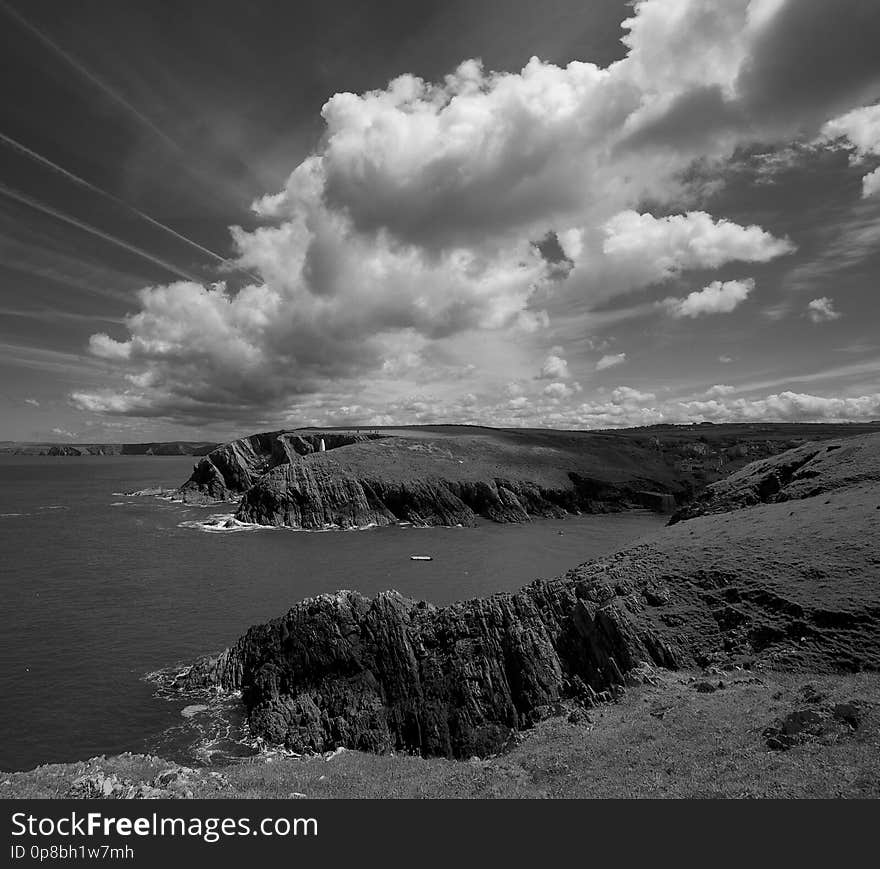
x,y
283,478
788,584
390,673
231,469
324,492
166,448
454,475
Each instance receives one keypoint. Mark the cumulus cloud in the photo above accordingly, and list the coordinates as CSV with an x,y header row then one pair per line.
x,y
663,247
609,360
561,390
32,402
627,407
490,203
871,183
719,390
719,297
859,132
63,433
860,128
822,310
783,407
554,367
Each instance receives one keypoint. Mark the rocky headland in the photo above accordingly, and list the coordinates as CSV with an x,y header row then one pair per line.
x,y
456,475
782,574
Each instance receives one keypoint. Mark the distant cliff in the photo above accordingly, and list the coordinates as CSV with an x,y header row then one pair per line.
x,y
455,475
430,478
810,470
165,448
231,469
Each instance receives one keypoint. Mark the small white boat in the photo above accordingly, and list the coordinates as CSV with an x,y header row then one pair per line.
x,y
421,558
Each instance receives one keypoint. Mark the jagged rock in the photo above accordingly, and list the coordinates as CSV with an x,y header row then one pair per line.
x,y
813,724
285,478
173,783
231,469
389,673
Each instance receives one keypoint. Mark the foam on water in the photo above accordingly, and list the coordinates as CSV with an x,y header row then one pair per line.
x,y
223,523
226,523
213,730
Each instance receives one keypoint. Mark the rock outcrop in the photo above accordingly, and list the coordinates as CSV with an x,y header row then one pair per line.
x,y
322,493
172,783
454,475
285,478
389,673
231,469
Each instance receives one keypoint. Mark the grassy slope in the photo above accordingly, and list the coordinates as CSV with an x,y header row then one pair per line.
x,y
659,456
546,461
799,579
663,740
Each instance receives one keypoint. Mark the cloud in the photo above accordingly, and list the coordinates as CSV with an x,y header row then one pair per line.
x,y
63,433
627,407
717,298
554,367
859,128
560,390
719,390
32,402
609,360
784,407
480,209
822,310
871,183
859,132
724,359
663,247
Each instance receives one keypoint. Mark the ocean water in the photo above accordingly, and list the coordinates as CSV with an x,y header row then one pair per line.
x,y
99,589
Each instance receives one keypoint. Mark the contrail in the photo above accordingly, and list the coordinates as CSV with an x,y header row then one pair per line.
x,y
45,161
87,227
87,73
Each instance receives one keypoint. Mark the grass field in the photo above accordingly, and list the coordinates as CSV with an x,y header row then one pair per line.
x,y
669,739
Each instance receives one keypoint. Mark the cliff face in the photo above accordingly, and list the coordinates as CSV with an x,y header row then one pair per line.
x,y
168,448
321,492
391,673
231,469
453,475
282,478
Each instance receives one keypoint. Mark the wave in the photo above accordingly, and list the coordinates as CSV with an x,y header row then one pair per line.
x,y
214,727
223,523
226,523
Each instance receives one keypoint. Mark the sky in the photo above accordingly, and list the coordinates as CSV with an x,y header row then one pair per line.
x,y
219,218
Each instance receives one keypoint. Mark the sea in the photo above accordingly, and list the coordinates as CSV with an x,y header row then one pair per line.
x,y
102,592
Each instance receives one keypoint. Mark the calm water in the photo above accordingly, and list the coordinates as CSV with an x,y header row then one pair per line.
x,y
98,589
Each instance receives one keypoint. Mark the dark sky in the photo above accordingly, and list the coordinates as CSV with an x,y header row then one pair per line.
x,y
186,113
